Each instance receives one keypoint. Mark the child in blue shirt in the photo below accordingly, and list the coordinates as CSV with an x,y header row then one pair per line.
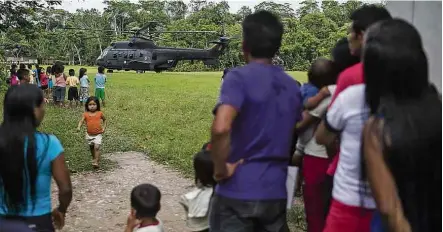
x,y
100,80
308,90
318,75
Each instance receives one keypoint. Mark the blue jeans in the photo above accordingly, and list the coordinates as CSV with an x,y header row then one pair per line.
x,y
232,215
376,223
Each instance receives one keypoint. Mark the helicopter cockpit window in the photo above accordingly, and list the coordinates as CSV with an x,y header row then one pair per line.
x,y
125,55
131,56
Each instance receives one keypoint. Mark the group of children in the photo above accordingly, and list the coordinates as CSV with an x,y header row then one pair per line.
x,y
54,82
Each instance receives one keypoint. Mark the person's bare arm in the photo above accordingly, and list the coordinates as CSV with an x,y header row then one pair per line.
x,y
61,176
313,102
104,122
220,139
380,179
81,123
307,121
324,136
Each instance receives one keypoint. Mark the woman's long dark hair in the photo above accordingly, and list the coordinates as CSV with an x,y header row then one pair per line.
x,y
398,89
81,73
18,167
49,70
204,169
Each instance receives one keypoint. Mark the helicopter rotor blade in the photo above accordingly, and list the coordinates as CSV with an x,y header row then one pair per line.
x,y
160,32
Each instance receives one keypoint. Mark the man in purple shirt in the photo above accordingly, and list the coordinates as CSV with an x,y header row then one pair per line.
x,y
258,108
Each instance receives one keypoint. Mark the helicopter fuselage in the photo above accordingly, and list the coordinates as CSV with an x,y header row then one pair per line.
x,y
141,54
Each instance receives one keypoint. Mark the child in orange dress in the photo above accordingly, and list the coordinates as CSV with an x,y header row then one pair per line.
x,y
95,124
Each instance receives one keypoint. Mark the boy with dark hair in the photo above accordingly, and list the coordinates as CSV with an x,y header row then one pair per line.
x,y
72,82
145,204
320,74
100,80
362,18
24,76
250,150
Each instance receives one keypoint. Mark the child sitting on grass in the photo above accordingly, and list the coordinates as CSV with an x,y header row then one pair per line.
x,y
197,201
145,204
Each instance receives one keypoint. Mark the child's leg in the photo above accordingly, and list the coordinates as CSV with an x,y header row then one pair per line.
x,y
103,97
97,143
91,148
96,154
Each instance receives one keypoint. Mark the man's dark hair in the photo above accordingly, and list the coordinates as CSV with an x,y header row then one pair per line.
x,y
101,69
342,57
322,73
21,73
71,72
22,66
145,199
367,15
262,34
58,68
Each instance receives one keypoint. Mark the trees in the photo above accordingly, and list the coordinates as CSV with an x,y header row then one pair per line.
x,y
35,28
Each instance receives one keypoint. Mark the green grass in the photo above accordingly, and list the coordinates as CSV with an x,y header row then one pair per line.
x,y
166,115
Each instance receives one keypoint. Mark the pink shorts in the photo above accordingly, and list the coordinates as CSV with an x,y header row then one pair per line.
x,y
344,218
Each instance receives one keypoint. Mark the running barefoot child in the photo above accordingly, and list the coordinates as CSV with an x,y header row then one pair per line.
x,y
96,125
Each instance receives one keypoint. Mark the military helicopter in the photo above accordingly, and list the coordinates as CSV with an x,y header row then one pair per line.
x,y
142,54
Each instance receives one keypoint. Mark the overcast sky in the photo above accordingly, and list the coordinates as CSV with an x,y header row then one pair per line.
x,y
235,5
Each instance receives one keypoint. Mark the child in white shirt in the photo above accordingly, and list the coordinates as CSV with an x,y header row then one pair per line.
x,y
197,201
145,204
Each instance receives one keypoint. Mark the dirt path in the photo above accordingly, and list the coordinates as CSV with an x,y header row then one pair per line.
x,y
101,200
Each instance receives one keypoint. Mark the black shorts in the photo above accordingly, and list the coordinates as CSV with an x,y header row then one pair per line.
x,y
73,94
41,223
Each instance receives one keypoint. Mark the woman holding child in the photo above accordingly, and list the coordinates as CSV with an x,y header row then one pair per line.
x,y
315,158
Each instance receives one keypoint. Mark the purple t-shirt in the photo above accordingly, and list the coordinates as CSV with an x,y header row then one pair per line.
x,y
269,104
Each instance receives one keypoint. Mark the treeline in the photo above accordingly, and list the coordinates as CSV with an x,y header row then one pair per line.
x,y
310,31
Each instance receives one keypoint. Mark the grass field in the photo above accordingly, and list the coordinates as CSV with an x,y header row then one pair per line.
x,y
166,115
